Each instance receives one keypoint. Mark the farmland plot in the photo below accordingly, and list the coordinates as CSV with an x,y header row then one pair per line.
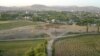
x,y
18,48
78,46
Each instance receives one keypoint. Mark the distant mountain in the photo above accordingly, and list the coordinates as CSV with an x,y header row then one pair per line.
x,y
38,7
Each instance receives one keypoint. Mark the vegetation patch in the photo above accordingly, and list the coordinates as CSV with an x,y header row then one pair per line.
x,y
14,24
40,50
21,47
78,46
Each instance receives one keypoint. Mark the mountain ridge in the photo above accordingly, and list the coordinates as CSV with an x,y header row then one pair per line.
x,y
38,7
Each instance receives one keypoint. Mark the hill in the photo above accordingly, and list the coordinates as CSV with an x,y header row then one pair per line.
x,y
38,7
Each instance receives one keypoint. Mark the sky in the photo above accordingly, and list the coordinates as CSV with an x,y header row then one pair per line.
x,y
50,2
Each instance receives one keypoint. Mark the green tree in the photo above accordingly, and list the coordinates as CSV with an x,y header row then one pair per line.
x,y
98,25
87,22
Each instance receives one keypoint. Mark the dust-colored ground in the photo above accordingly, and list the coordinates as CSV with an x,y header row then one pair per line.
x,y
31,30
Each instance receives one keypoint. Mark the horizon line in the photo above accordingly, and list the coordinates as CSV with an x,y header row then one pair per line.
x,y
50,5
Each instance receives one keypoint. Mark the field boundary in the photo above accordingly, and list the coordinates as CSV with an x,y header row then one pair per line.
x,y
75,35
70,36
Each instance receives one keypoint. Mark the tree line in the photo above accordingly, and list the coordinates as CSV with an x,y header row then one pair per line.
x,y
79,17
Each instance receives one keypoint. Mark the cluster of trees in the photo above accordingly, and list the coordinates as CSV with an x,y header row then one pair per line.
x,y
88,19
13,16
5,16
80,18
40,50
49,15
87,22
62,16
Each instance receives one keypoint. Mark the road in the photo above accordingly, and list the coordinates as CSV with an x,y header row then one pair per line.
x,y
50,43
49,47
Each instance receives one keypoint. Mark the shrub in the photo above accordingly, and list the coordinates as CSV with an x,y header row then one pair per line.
x,y
1,52
30,52
40,50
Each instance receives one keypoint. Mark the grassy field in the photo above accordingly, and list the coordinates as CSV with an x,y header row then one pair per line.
x,y
88,45
13,24
18,48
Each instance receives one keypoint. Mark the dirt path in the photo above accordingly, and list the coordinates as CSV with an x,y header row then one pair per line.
x,y
51,42
27,32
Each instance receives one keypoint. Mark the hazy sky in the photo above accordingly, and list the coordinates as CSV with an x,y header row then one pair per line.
x,y
50,2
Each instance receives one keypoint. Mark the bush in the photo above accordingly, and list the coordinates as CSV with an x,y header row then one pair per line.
x,y
30,52
1,52
40,50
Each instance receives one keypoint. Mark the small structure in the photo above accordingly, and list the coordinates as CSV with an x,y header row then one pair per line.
x,y
27,18
53,21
